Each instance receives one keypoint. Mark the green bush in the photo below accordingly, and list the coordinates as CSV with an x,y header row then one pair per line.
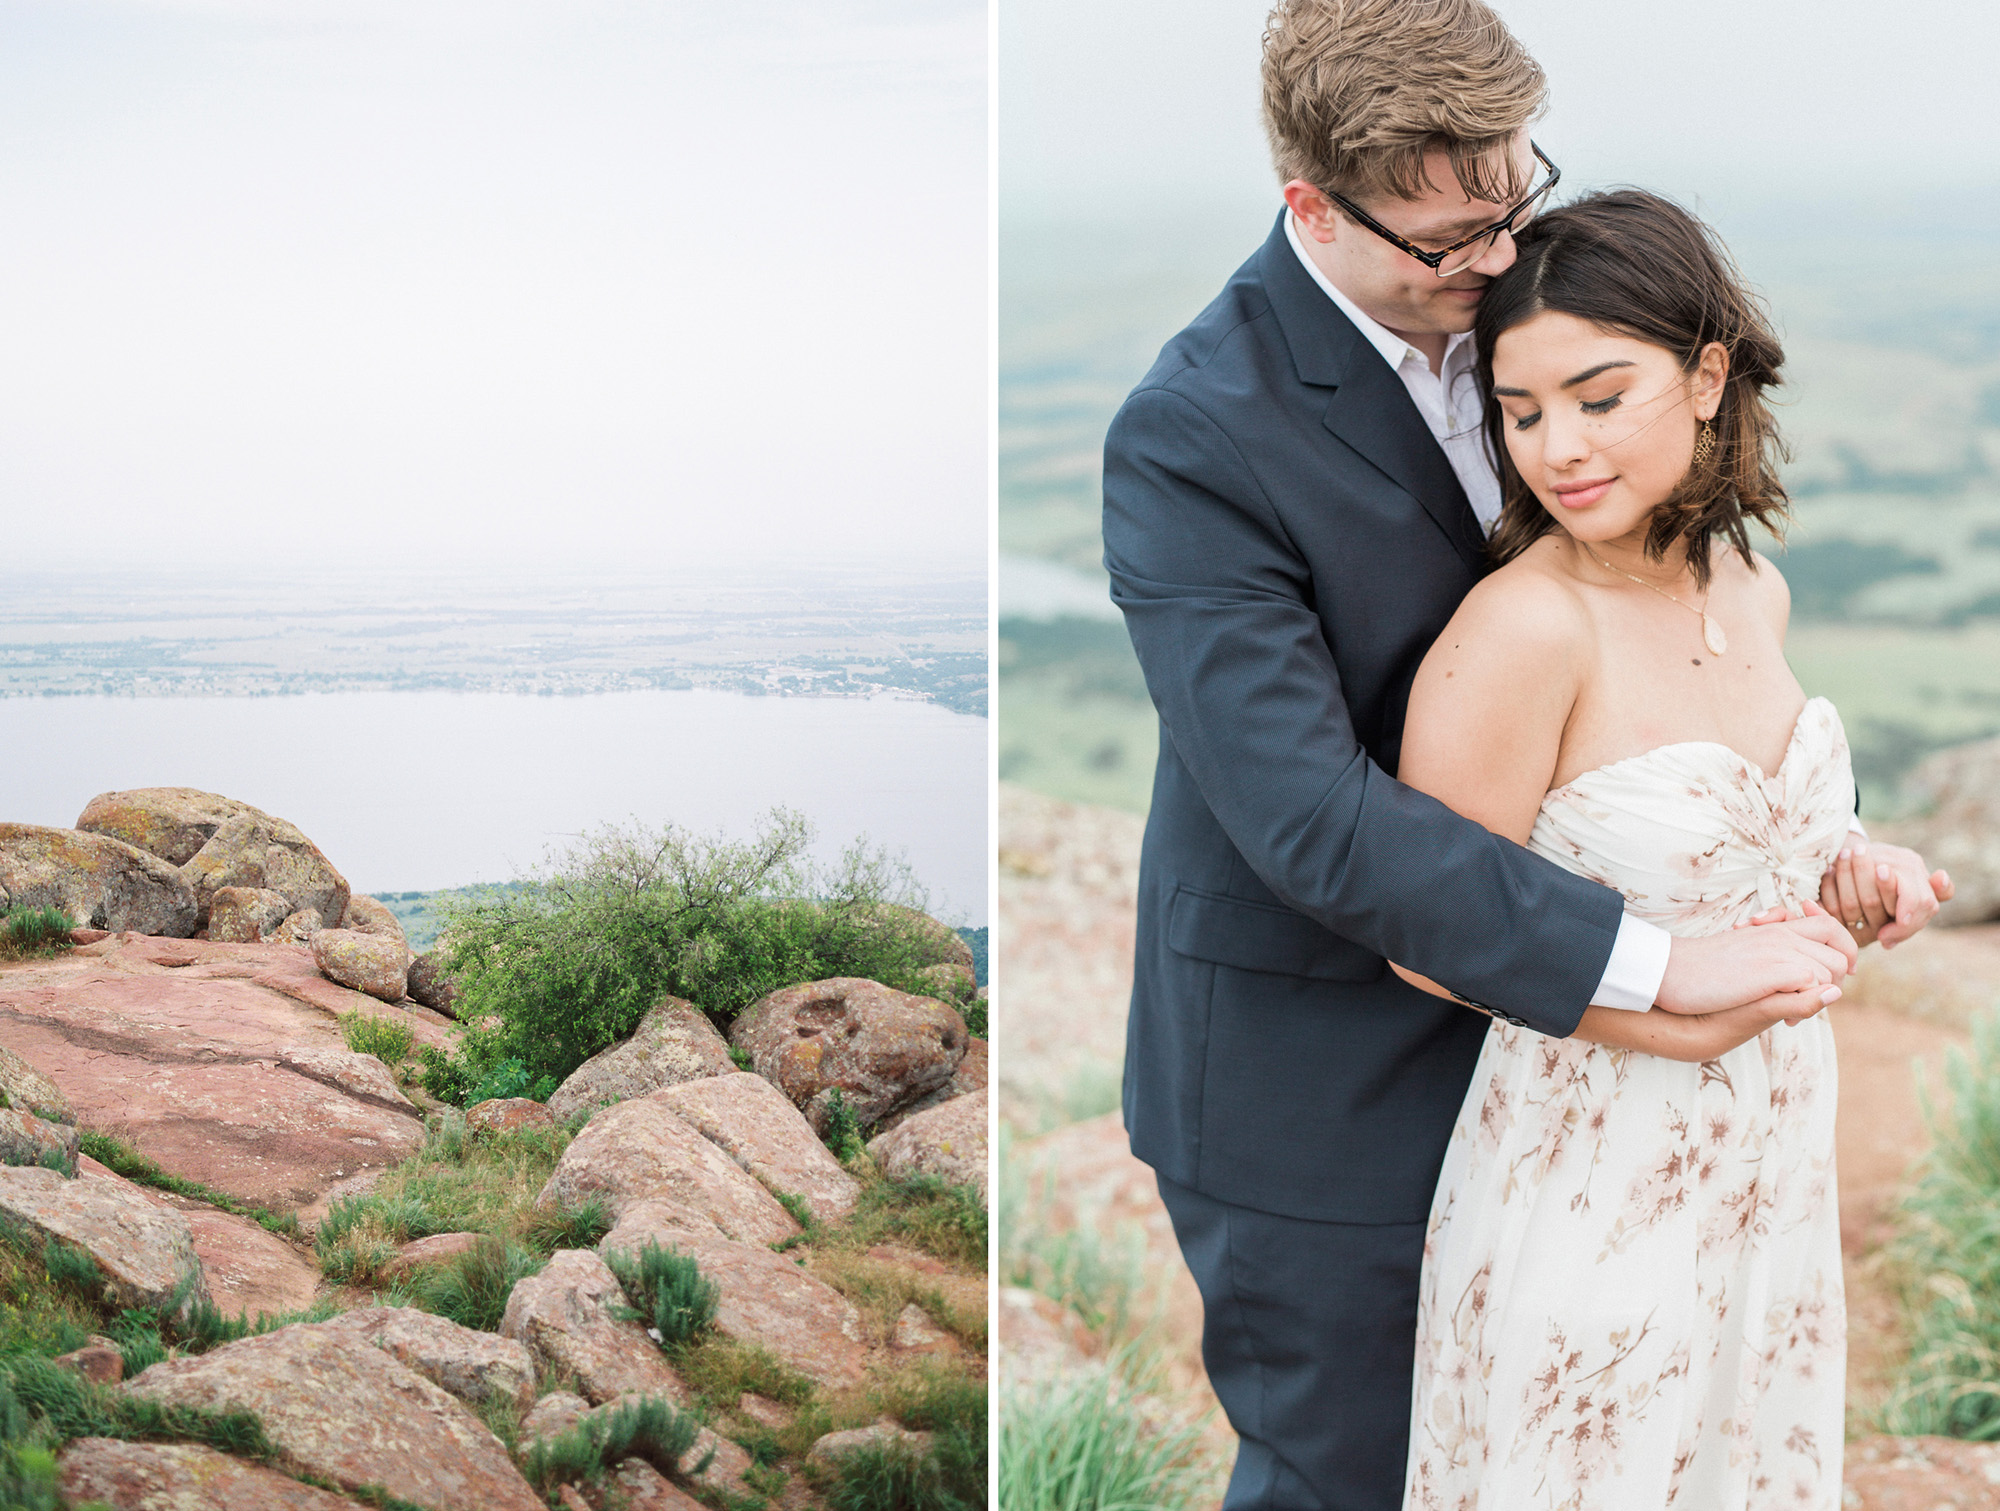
x,y
552,973
34,931
1949,1248
668,1292
1084,1442
388,1039
471,1289
843,1129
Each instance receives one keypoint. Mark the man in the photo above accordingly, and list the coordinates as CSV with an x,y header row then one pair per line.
x,y
1295,503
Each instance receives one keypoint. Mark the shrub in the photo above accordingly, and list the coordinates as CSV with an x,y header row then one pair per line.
x,y
471,1289
34,931
567,1227
648,1428
843,1128
552,973
389,1040
1085,1442
668,1292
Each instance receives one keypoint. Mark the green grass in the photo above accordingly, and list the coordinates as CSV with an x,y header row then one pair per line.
x,y
31,933
1086,1441
122,1159
471,1288
1948,1250
390,1040
668,1292
922,1211
651,1428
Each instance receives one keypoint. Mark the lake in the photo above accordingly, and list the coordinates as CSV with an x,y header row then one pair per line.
x,y
418,791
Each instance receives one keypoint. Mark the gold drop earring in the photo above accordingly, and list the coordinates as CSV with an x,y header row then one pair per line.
x,y
1704,443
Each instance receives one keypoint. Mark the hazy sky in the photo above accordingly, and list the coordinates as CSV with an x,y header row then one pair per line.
x,y
414,281
1112,106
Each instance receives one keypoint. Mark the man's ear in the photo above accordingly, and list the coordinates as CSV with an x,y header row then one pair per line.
x,y
1318,216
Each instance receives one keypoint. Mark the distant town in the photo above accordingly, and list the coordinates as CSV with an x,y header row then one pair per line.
x,y
858,636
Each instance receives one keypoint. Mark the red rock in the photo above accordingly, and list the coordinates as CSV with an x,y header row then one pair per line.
x,y
831,1447
764,1411
250,1272
1040,1339
1922,1474
968,1078
565,1318
715,1463
749,1119
99,882
433,1250
428,983
916,1334
673,1043
572,1499
28,1140
179,1477
881,1049
144,1253
502,1114
341,1409
640,1151
474,1366
88,936
948,1141
646,1489
99,1363
367,915
299,927
26,1089
770,1300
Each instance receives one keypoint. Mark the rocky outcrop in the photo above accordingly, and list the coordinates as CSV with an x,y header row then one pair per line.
x,y
429,984
968,1078
641,1151
644,1488
341,1409
948,1141
246,915
504,1114
28,1140
363,962
1957,793
299,928
474,1366
219,842
366,915
880,1049
354,1073
835,1445
566,1319
144,1253
749,1119
767,1299
436,1249
100,882
179,1477
26,1089
673,1043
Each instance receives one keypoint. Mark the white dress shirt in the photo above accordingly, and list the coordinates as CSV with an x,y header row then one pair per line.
x,y
1449,403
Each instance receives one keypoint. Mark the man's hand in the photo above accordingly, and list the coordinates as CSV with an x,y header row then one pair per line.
x,y
1786,966
1882,892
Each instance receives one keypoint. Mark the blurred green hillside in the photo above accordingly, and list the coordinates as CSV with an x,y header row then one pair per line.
x,y
1892,408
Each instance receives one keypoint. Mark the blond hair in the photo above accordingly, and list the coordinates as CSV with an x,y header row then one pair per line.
x,y
1356,92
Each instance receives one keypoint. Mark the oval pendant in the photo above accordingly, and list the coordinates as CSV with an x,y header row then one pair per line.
x,y
1712,636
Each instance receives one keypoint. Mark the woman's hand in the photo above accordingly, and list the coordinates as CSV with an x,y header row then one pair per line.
x,y
1884,894
1694,1037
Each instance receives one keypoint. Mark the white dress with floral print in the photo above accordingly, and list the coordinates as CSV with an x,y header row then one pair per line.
x,y
1632,1290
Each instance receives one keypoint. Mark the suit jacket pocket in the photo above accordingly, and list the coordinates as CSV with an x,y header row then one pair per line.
x,y
1255,936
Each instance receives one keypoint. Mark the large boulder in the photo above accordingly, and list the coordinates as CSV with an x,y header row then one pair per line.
x,y
948,1141
969,1077
179,1477
881,1049
367,915
28,1140
474,1366
641,1151
144,1252
769,1300
299,928
26,1089
365,962
1957,794
673,1043
219,842
347,1412
428,983
246,915
102,883
750,1120
506,1114
566,1318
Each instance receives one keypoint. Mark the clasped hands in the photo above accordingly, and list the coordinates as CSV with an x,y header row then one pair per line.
x,y
1724,989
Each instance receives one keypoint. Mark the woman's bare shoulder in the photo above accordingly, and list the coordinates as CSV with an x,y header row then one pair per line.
x,y
1531,603
1766,585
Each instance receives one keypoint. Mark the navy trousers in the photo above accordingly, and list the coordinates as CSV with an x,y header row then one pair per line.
x,y
1310,1342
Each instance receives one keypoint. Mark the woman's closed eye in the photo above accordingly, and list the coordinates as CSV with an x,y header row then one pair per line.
x,y
1603,406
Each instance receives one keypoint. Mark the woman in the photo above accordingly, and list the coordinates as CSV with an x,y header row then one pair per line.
x,y
1632,1284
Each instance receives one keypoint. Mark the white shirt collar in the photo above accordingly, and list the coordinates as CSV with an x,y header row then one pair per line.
x,y
1394,348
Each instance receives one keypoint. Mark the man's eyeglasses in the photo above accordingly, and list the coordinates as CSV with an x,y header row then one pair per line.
x,y
1463,253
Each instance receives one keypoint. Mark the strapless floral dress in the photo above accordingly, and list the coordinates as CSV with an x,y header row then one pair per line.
x,y
1632,1287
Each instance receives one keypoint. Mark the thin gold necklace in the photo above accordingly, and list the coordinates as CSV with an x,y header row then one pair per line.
x,y
1711,632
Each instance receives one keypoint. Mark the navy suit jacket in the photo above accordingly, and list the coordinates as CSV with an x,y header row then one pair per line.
x,y
1286,539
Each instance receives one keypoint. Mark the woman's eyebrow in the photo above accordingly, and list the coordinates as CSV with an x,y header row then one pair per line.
x,y
1513,393
1585,377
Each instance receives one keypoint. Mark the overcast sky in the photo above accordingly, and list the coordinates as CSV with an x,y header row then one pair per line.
x,y
1114,106
409,281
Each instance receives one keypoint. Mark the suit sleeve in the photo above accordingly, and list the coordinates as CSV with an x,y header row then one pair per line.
x,y
1218,603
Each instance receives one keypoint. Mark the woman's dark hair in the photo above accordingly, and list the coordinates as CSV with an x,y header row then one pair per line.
x,y
1633,262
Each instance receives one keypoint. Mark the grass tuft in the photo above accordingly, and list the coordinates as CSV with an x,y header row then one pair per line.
x,y
471,1289
668,1292
1086,1441
649,1427
31,933
389,1040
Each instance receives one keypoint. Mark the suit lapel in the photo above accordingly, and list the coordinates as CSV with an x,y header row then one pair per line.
x,y
1369,409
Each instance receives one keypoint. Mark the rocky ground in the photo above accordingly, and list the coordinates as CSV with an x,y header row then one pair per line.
x,y
849,1311
1067,879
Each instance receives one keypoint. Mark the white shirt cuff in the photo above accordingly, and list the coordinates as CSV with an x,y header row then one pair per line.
x,y
1637,966
1854,825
